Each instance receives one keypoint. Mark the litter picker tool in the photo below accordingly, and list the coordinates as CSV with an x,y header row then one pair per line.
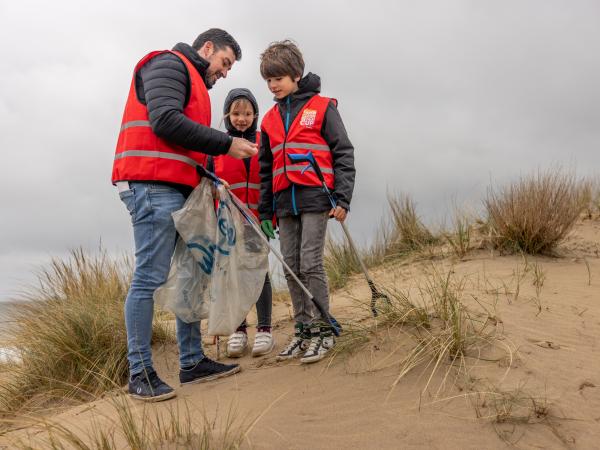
x,y
252,221
310,159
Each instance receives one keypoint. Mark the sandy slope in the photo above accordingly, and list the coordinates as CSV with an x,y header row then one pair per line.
x,y
348,402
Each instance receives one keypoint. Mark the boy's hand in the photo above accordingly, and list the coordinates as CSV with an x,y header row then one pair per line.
x,y
241,148
338,213
267,228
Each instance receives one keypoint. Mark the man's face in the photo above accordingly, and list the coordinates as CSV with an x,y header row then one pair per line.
x,y
220,62
283,86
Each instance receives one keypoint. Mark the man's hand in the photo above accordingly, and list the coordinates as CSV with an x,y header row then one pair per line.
x,y
338,213
241,148
267,228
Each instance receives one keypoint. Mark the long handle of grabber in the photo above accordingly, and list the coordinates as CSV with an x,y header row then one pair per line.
x,y
355,250
279,256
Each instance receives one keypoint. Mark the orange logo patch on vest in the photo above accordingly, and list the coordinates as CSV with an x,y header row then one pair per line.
x,y
308,118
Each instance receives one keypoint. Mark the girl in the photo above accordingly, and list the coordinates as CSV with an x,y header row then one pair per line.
x,y
241,116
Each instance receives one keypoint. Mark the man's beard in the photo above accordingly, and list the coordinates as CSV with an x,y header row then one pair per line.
x,y
209,80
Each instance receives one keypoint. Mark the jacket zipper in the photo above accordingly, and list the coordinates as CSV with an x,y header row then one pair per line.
x,y
287,128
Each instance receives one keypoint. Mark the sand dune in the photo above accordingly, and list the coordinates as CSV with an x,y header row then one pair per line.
x,y
538,386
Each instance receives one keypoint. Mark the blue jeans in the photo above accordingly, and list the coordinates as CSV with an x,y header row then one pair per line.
x,y
150,206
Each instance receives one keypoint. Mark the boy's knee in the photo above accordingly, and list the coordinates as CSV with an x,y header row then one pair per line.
x,y
312,269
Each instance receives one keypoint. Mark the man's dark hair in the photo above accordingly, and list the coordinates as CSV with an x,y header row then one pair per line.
x,y
280,59
221,39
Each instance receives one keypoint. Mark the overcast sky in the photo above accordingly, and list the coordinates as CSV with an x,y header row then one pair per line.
x,y
439,99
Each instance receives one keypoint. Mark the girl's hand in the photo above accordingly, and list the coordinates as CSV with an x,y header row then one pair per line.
x,y
338,213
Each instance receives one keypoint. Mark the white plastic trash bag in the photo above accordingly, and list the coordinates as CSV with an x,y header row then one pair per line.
x,y
186,292
231,263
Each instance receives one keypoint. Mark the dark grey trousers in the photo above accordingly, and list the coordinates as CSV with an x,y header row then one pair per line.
x,y
302,241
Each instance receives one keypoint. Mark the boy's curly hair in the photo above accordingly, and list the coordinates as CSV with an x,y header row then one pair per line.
x,y
281,58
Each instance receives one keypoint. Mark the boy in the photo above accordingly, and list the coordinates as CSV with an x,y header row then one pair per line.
x,y
302,121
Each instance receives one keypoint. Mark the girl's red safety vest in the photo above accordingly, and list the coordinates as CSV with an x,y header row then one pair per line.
x,y
303,135
141,155
244,184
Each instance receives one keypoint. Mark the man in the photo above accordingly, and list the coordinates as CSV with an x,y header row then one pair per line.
x,y
165,134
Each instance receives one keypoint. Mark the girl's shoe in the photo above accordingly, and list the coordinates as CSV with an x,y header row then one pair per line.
x,y
237,344
263,343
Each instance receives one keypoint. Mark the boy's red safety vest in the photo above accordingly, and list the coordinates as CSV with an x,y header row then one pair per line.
x,y
141,155
303,135
244,184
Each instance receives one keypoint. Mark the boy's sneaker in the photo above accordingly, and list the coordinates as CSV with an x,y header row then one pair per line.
x,y
206,370
148,387
237,344
263,342
321,342
297,345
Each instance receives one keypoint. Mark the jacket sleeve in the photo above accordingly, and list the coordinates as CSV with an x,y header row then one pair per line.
x,y
265,160
342,151
163,86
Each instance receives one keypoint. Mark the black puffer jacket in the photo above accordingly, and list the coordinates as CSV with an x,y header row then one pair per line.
x,y
306,198
163,85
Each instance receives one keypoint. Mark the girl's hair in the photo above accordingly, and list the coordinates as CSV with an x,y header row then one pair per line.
x,y
240,103
281,59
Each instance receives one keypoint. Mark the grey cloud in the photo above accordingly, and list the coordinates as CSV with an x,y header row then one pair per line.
x,y
438,97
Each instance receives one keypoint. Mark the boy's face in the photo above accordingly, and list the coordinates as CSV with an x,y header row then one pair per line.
x,y
242,117
283,86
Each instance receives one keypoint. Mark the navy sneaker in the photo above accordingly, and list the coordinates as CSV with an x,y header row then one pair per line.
x,y
148,387
206,370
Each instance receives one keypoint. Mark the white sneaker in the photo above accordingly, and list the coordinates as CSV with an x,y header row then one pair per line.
x,y
237,344
294,349
263,343
320,343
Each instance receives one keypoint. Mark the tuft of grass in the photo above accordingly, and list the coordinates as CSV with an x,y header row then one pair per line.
x,y
451,333
281,296
539,276
146,429
536,213
443,331
340,262
461,235
409,233
400,233
69,334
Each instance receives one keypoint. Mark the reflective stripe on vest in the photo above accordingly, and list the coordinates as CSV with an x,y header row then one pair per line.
x,y
157,154
298,168
289,145
304,135
244,185
135,123
143,156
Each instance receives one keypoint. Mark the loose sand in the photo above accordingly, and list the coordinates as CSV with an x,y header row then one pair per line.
x,y
554,359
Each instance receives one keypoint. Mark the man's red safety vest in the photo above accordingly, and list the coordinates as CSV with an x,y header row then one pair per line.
x,y
141,155
244,184
303,135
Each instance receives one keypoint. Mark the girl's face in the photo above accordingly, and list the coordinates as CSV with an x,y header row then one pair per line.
x,y
242,116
